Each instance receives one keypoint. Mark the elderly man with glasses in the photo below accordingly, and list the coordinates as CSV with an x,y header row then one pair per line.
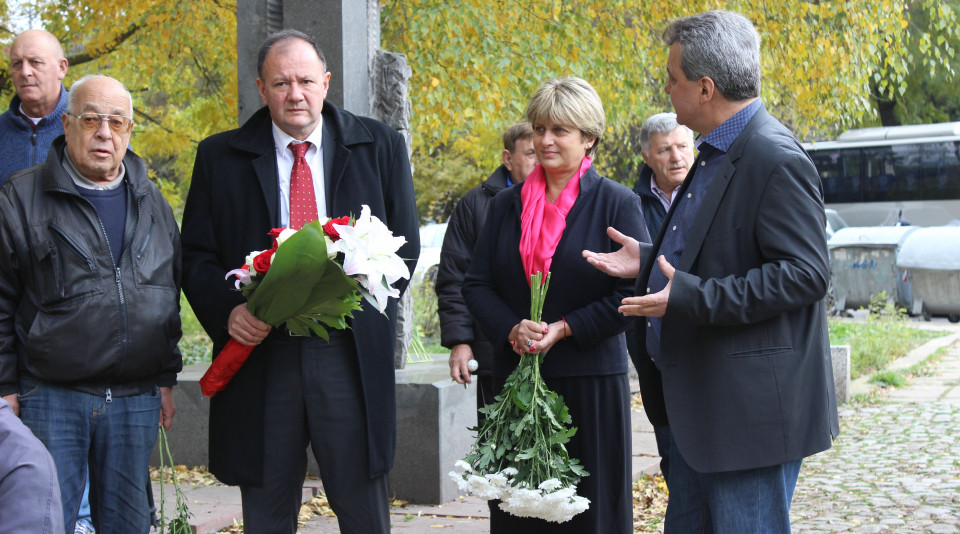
x,y
89,306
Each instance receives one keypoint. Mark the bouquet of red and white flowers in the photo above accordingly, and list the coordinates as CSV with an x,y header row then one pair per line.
x,y
311,280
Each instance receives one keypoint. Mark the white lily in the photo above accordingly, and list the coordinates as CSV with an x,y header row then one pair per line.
x,y
369,250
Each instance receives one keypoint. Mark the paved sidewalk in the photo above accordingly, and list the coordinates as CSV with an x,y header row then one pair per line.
x,y
894,469
896,465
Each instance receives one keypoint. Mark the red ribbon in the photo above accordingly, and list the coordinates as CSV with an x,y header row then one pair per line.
x,y
224,367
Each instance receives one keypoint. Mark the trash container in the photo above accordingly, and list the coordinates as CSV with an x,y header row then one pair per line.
x,y
863,262
929,259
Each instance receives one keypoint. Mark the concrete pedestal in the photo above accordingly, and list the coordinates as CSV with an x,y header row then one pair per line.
x,y
433,415
840,358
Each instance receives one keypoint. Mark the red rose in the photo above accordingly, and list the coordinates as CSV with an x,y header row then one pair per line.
x,y
275,233
261,263
330,231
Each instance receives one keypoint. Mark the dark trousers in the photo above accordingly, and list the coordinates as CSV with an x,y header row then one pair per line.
x,y
314,397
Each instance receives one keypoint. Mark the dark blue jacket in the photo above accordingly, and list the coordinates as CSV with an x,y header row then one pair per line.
x,y
653,210
498,294
746,369
20,146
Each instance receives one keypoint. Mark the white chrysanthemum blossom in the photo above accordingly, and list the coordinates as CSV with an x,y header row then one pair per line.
x,y
549,501
369,249
549,485
558,506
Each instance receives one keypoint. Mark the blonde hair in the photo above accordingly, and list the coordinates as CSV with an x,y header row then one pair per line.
x,y
570,101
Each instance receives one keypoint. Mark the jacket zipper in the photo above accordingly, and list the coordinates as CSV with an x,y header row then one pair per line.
x,y
73,244
118,281
146,241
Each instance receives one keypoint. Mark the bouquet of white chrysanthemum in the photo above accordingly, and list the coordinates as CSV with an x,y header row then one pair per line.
x,y
519,456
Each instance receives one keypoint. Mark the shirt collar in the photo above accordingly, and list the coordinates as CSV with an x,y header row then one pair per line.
x,y
86,183
724,135
34,120
281,139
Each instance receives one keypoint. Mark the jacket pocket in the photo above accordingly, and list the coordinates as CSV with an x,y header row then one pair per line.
x,y
65,268
153,256
766,351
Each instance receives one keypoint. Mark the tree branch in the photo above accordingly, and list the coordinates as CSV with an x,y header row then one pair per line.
x,y
106,48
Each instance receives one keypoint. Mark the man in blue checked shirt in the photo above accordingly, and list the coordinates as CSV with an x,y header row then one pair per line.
x,y
732,308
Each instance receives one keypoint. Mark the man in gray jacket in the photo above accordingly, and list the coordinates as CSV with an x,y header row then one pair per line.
x,y
89,307
29,492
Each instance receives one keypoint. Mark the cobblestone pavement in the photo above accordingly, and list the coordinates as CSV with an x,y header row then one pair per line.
x,y
895,466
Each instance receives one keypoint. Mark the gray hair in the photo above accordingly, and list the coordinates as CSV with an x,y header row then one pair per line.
x,y
71,96
286,35
720,45
662,123
569,100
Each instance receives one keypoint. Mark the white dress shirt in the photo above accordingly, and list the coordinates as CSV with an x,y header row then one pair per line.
x,y
314,157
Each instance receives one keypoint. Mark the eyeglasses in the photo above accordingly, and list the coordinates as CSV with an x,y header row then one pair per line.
x,y
91,122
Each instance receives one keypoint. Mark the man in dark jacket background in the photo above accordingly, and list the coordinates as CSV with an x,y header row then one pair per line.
x,y
667,150
89,307
458,331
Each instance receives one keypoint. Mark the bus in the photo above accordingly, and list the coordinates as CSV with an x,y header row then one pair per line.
x,y
892,175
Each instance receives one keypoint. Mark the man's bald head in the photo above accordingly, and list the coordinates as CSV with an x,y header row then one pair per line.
x,y
37,67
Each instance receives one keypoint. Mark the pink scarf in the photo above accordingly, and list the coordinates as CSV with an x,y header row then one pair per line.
x,y
542,223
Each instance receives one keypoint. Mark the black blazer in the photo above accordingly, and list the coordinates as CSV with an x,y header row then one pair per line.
x,y
747,377
233,202
498,294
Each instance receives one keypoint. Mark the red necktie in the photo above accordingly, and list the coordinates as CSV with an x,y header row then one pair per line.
x,y
303,201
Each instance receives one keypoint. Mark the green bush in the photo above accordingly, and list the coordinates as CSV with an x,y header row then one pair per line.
x,y
195,346
425,316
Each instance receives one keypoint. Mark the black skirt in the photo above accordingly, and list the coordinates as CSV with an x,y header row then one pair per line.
x,y
600,408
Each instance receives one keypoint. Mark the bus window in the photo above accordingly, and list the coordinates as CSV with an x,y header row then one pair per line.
x,y
892,173
840,172
941,171
851,175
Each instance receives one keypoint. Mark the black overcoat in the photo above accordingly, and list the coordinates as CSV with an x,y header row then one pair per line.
x,y
233,202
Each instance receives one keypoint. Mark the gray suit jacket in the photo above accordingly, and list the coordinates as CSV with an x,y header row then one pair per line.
x,y
745,359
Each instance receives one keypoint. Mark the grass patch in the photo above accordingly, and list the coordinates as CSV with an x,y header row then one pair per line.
x,y
885,336
894,379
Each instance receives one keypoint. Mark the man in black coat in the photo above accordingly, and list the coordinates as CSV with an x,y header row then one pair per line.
x,y
735,318
458,331
667,151
338,396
